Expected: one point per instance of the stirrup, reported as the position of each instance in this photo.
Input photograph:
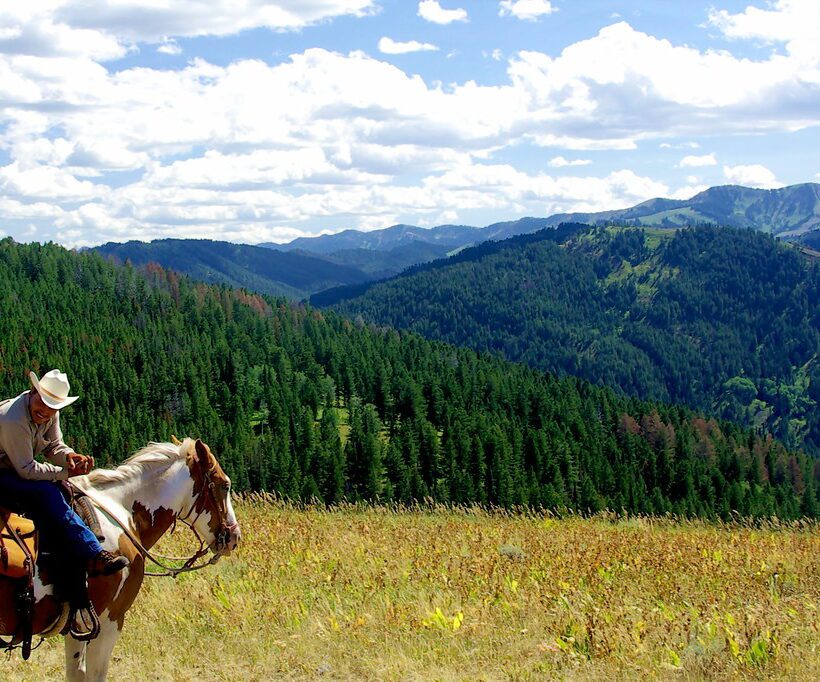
(83, 623)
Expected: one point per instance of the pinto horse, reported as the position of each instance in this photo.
(140, 500)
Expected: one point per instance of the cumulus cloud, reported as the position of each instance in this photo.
(432, 11)
(104, 30)
(253, 151)
(390, 46)
(169, 46)
(561, 162)
(34, 29)
(492, 185)
(792, 22)
(688, 191)
(753, 175)
(693, 161)
(45, 182)
(528, 10)
(136, 20)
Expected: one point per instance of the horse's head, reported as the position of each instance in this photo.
(211, 514)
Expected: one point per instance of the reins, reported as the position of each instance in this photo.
(155, 557)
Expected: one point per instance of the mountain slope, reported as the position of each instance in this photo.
(722, 320)
(785, 212)
(450, 236)
(378, 264)
(788, 211)
(270, 385)
(266, 271)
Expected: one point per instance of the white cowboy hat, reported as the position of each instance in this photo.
(53, 389)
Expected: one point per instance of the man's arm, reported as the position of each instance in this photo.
(16, 443)
(56, 451)
(59, 453)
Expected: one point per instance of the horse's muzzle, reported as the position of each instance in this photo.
(227, 539)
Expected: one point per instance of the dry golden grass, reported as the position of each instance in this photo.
(374, 594)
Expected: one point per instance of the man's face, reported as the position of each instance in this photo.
(39, 411)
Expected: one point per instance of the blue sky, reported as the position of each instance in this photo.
(255, 121)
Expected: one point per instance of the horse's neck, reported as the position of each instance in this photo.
(151, 503)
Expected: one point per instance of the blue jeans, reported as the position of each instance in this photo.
(43, 502)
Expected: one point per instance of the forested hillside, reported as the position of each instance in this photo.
(726, 321)
(266, 271)
(310, 405)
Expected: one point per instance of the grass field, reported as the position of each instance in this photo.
(379, 594)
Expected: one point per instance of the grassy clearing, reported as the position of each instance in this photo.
(375, 594)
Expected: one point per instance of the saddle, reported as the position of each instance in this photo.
(19, 553)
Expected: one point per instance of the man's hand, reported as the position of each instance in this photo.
(79, 465)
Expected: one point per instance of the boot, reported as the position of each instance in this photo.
(106, 563)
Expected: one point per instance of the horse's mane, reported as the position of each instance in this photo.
(152, 456)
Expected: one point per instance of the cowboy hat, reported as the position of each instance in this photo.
(53, 389)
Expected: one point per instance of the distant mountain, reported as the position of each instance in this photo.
(294, 275)
(312, 264)
(451, 236)
(380, 264)
(446, 237)
(786, 212)
(720, 319)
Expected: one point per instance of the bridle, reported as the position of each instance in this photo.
(222, 536)
(220, 502)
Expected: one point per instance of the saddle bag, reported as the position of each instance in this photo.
(18, 556)
(18, 545)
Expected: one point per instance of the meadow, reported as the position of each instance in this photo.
(370, 593)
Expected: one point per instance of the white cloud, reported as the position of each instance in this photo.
(561, 162)
(681, 145)
(169, 46)
(487, 186)
(104, 30)
(432, 11)
(45, 182)
(249, 150)
(753, 175)
(698, 161)
(793, 22)
(690, 190)
(390, 46)
(528, 10)
(34, 29)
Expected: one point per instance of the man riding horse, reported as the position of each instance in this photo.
(30, 425)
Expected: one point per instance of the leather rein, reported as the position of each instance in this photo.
(161, 559)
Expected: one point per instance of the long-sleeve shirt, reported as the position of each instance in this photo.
(21, 439)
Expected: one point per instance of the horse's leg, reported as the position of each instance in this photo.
(74, 660)
(98, 654)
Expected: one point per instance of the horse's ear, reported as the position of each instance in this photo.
(202, 452)
(175, 440)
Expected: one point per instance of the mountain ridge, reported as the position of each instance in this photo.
(309, 265)
(763, 210)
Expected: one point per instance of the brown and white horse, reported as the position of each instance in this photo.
(146, 495)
